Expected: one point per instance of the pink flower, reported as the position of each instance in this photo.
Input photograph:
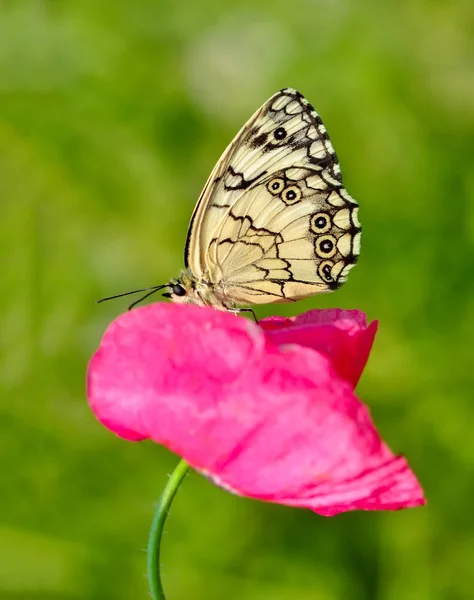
(267, 411)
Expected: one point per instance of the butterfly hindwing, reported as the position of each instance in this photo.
(274, 221)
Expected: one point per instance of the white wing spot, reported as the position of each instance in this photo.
(317, 149)
(342, 218)
(344, 244)
(315, 182)
(312, 133)
(294, 108)
(356, 243)
(281, 102)
(355, 216)
(337, 268)
(335, 199)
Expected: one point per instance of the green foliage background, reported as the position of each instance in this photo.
(112, 114)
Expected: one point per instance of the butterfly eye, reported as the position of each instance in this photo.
(324, 270)
(325, 246)
(275, 186)
(178, 290)
(320, 223)
(291, 194)
(280, 133)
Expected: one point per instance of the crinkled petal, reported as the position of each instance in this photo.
(278, 423)
(341, 335)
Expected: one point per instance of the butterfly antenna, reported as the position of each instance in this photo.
(144, 297)
(153, 289)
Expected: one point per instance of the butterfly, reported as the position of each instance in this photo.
(274, 222)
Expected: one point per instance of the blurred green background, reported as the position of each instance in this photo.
(112, 115)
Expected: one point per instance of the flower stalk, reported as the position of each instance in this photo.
(156, 531)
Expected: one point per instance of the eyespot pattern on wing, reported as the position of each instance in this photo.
(274, 221)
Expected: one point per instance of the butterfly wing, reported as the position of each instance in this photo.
(274, 221)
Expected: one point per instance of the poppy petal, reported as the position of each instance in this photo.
(254, 410)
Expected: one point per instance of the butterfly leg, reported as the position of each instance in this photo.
(248, 310)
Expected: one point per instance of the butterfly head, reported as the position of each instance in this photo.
(176, 291)
(181, 290)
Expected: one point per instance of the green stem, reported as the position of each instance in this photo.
(154, 539)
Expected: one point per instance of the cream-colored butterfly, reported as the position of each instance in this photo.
(274, 222)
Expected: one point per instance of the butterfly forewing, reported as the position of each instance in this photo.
(274, 221)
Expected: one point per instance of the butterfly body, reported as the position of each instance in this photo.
(187, 289)
(274, 222)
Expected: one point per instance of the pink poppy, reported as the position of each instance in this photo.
(267, 411)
